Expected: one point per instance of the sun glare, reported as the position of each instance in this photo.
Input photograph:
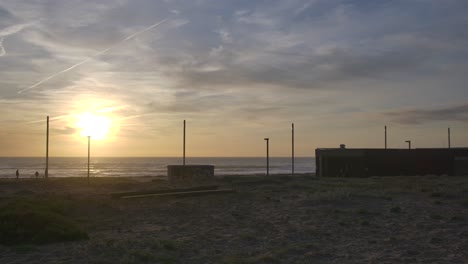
(96, 126)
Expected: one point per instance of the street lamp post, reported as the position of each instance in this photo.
(385, 137)
(292, 149)
(89, 151)
(46, 172)
(409, 143)
(267, 156)
(448, 132)
(183, 160)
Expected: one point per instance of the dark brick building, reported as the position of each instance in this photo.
(343, 162)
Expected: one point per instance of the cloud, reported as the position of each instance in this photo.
(329, 46)
(10, 31)
(324, 45)
(2, 49)
(237, 61)
(225, 36)
(458, 113)
(224, 67)
(65, 131)
(101, 52)
(14, 29)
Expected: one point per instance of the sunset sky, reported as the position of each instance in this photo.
(237, 71)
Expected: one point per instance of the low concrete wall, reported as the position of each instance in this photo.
(190, 175)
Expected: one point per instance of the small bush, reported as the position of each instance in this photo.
(362, 211)
(436, 194)
(36, 222)
(437, 217)
(286, 178)
(164, 259)
(457, 218)
(168, 244)
(22, 249)
(143, 255)
(247, 236)
(464, 203)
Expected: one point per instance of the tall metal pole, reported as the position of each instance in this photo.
(267, 156)
(292, 149)
(46, 173)
(449, 137)
(385, 137)
(409, 143)
(89, 148)
(184, 145)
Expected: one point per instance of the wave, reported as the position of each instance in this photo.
(129, 167)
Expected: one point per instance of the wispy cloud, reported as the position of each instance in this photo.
(93, 56)
(65, 131)
(2, 49)
(458, 113)
(10, 31)
(13, 29)
(234, 63)
(50, 119)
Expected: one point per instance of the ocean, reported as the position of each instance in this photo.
(125, 167)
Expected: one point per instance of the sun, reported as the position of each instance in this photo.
(95, 126)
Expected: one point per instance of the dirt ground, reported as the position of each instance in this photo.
(280, 219)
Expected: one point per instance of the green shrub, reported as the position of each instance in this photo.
(464, 203)
(436, 194)
(362, 211)
(437, 217)
(36, 222)
(168, 244)
(457, 218)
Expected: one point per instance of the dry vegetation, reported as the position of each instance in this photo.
(280, 219)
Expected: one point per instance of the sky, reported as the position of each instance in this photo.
(236, 71)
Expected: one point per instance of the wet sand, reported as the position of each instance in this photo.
(279, 219)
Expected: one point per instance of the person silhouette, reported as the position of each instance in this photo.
(17, 174)
(36, 174)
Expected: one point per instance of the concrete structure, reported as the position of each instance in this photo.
(342, 162)
(190, 175)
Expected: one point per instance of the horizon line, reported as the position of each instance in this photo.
(156, 157)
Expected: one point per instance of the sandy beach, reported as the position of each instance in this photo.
(279, 219)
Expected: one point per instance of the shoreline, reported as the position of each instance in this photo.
(123, 167)
(220, 176)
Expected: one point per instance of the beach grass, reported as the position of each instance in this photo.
(279, 219)
(39, 221)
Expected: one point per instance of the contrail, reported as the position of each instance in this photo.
(134, 116)
(67, 69)
(51, 119)
(102, 110)
(93, 56)
(144, 30)
(111, 109)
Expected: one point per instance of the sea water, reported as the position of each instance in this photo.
(128, 167)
